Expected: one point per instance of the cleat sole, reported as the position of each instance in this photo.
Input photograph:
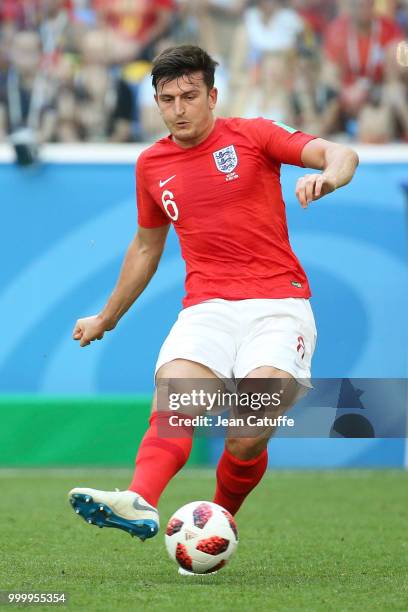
(102, 516)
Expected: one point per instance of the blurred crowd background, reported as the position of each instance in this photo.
(79, 70)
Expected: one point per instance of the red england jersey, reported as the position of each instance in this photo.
(224, 199)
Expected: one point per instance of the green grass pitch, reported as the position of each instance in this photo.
(325, 541)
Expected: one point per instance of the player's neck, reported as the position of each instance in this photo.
(187, 144)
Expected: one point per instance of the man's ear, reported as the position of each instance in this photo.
(213, 96)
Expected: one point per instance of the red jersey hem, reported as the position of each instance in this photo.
(273, 295)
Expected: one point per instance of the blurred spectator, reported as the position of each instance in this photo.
(188, 21)
(268, 92)
(402, 16)
(25, 95)
(360, 51)
(17, 15)
(385, 8)
(315, 102)
(83, 13)
(78, 70)
(133, 26)
(93, 105)
(21, 14)
(316, 13)
(270, 43)
(218, 21)
(272, 27)
(53, 26)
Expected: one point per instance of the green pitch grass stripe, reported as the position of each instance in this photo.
(70, 430)
(312, 541)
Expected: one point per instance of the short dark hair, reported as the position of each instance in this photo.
(176, 62)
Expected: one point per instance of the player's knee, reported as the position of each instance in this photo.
(246, 448)
(183, 368)
(267, 372)
(185, 386)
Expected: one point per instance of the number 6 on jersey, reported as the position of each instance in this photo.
(169, 205)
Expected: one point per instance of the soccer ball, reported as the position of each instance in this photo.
(201, 537)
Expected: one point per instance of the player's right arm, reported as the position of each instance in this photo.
(139, 266)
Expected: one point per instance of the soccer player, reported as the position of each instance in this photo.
(246, 311)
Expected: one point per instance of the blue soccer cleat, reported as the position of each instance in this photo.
(124, 510)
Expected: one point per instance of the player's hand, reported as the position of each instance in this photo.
(313, 187)
(89, 329)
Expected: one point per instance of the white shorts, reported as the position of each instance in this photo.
(234, 337)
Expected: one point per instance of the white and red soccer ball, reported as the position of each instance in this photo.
(201, 537)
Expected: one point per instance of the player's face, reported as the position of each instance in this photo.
(186, 107)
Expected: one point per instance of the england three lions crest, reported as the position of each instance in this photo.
(226, 159)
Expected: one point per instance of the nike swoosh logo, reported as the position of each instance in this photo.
(162, 183)
(138, 506)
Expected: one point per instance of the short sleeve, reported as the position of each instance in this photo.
(149, 213)
(281, 142)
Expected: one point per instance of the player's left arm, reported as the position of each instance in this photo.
(338, 163)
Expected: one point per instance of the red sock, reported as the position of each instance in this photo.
(237, 478)
(160, 456)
